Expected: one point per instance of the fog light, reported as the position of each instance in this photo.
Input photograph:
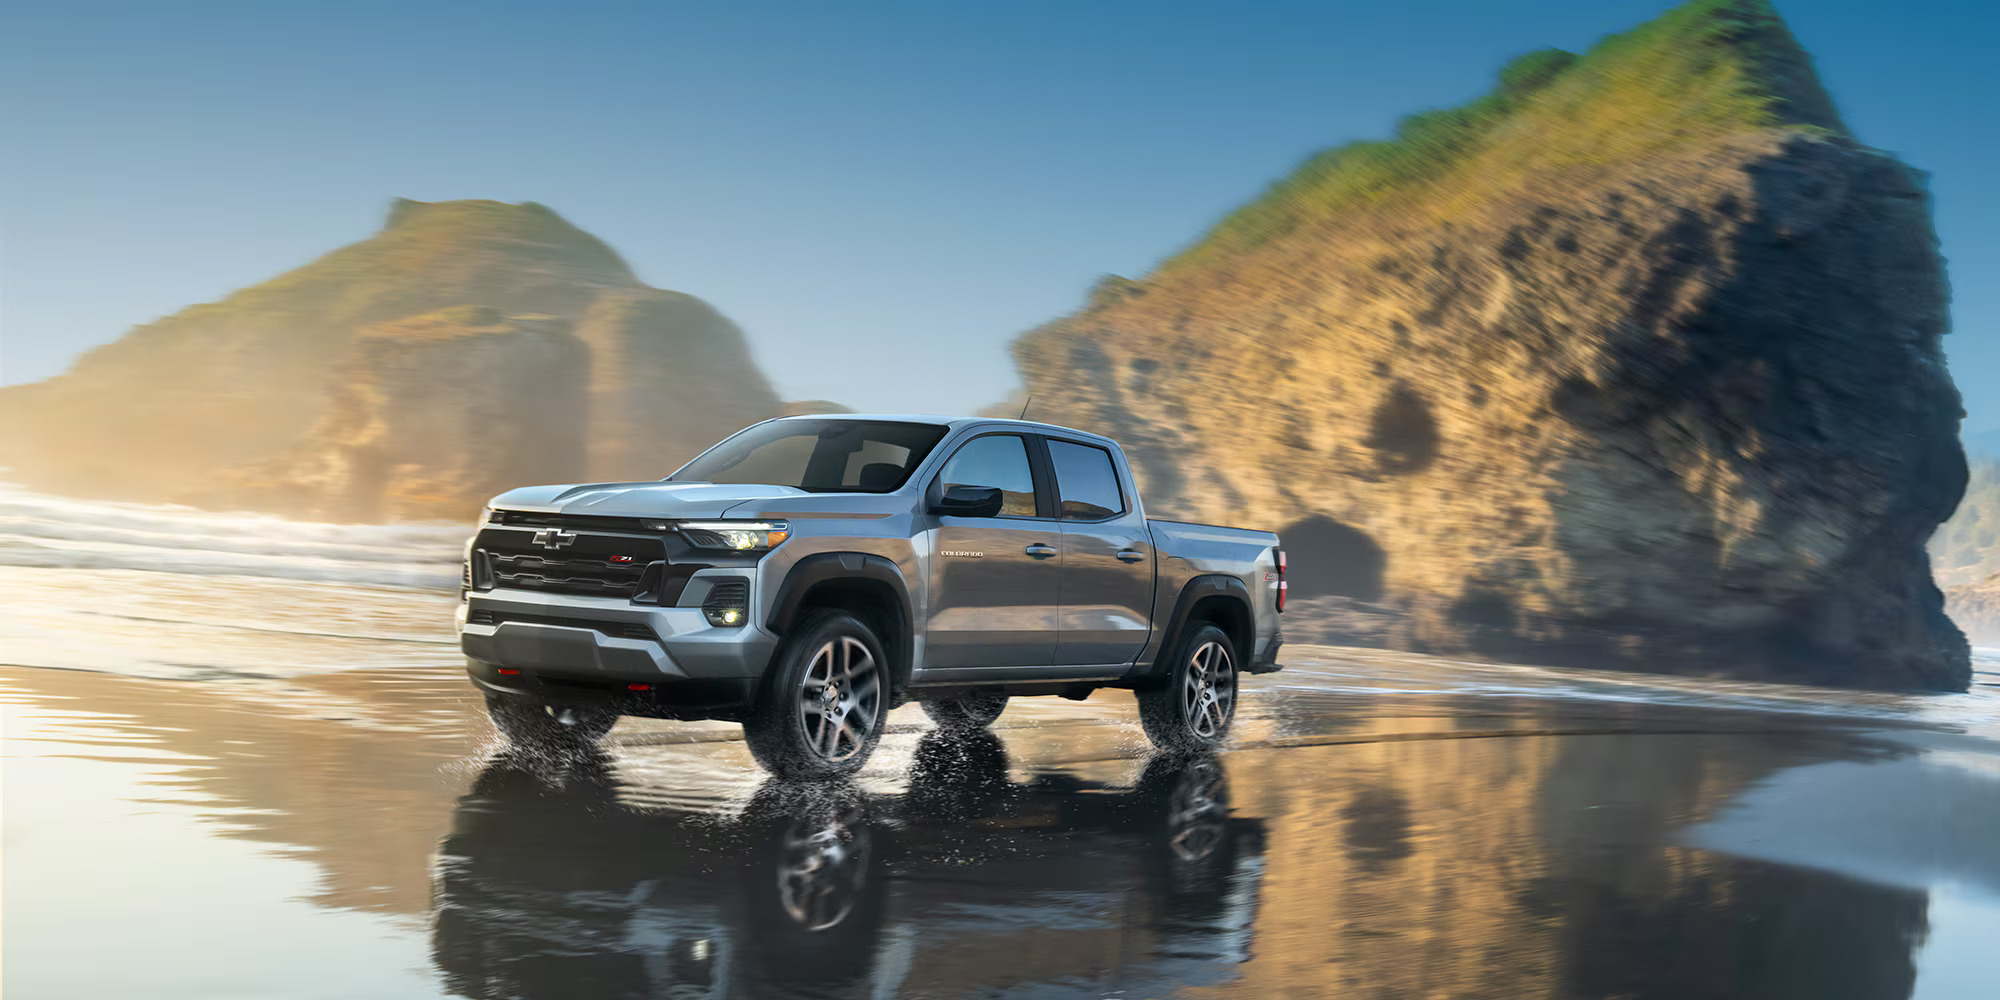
(728, 602)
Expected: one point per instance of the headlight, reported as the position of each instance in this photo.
(739, 536)
(487, 516)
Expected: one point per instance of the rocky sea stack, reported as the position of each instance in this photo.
(1634, 361)
(468, 347)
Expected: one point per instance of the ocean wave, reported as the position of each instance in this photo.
(42, 531)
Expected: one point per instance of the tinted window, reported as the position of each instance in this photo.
(818, 456)
(1087, 481)
(995, 460)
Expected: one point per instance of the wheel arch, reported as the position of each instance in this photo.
(869, 586)
(1216, 599)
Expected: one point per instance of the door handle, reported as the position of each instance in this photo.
(1131, 555)
(1040, 551)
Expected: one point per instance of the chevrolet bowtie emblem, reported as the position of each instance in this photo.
(554, 538)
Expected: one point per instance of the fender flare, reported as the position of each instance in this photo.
(824, 567)
(1196, 589)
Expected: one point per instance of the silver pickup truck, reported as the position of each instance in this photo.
(809, 574)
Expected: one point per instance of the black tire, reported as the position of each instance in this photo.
(1190, 707)
(535, 726)
(825, 701)
(965, 713)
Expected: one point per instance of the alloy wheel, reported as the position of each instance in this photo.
(840, 699)
(1208, 690)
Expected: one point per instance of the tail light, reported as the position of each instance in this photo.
(1282, 584)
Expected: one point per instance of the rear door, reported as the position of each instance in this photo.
(994, 579)
(1107, 573)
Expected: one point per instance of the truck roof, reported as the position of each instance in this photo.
(949, 421)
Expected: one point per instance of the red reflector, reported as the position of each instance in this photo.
(638, 687)
(509, 671)
(621, 559)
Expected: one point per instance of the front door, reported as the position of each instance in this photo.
(994, 579)
(1107, 576)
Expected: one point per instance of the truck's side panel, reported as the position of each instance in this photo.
(1187, 551)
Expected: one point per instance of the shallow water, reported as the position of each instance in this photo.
(228, 789)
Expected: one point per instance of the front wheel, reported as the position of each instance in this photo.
(825, 702)
(1190, 708)
(536, 726)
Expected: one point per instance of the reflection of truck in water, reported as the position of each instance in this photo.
(808, 574)
(556, 885)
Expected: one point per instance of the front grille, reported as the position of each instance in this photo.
(617, 630)
(592, 577)
(588, 563)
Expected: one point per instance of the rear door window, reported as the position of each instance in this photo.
(1087, 481)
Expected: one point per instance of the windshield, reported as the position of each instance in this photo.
(818, 456)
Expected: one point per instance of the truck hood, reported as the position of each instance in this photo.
(668, 501)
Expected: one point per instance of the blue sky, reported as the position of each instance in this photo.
(881, 194)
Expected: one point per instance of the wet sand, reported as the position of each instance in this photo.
(1383, 826)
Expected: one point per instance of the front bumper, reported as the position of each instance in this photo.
(607, 639)
(726, 698)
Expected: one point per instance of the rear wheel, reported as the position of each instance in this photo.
(537, 726)
(965, 712)
(1192, 705)
(825, 701)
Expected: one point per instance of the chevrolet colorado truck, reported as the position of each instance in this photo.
(809, 574)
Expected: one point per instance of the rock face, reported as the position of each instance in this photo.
(391, 446)
(809, 407)
(1966, 549)
(1635, 361)
(1965, 556)
(1975, 608)
(468, 346)
(669, 376)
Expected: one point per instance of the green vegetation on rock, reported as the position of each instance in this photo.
(1706, 69)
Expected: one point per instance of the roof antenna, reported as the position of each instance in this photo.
(1024, 409)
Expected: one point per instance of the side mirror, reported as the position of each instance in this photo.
(968, 501)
